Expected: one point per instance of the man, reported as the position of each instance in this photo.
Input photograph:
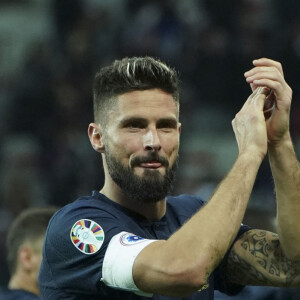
(131, 241)
(24, 253)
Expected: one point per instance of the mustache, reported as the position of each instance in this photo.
(136, 161)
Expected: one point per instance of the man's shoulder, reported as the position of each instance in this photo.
(89, 212)
(94, 205)
(94, 201)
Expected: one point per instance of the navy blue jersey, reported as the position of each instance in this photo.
(7, 294)
(72, 269)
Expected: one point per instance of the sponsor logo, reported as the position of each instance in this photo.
(87, 236)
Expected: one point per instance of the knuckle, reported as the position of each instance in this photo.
(237, 116)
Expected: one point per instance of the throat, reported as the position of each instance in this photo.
(152, 211)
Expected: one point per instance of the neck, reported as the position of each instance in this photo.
(151, 211)
(23, 282)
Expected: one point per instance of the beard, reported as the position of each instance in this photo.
(150, 187)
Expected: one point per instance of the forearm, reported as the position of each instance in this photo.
(286, 174)
(257, 259)
(221, 218)
(192, 253)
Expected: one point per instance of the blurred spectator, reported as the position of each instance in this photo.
(24, 253)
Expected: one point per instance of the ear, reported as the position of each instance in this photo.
(179, 128)
(96, 137)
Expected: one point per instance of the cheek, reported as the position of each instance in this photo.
(171, 149)
(125, 146)
(171, 144)
(173, 153)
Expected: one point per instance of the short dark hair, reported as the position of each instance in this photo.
(30, 225)
(130, 74)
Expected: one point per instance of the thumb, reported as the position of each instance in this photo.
(260, 97)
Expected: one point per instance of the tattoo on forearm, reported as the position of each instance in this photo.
(266, 264)
(241, 272)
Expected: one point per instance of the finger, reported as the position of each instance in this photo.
(275, 76)
(253, 87)
(259, 92)
(271, 84)
(260, 98)
(268, 62)
(254, 94)
(264, 70)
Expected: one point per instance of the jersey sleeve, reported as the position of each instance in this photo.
(118, 261)
(88, 252)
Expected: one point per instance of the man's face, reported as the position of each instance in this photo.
(29, 261)
(141, 144)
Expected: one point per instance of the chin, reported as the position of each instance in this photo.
(149, 171)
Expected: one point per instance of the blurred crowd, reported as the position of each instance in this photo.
(51, 49)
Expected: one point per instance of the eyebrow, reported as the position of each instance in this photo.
(128, 120)
(172, 121)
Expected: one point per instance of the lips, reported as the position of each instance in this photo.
(151, 161)
(151, 165)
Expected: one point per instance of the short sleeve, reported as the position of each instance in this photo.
(74, 249)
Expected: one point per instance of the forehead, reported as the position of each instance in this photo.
(146, 103)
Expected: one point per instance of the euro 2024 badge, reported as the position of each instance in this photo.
(87, 236)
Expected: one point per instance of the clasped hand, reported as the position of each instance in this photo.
(264, 118)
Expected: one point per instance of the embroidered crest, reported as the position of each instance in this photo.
(128, 239)
(87, 236)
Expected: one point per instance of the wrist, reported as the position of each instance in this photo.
(284, 142)
(251, 158)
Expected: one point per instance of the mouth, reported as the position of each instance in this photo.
(151, 165)
(150, 162)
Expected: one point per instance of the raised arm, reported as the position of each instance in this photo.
(260, 257)
(182, 264)
(286, 173)
(283, 161)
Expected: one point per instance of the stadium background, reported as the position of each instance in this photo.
(50, 50)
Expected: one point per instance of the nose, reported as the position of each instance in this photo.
(151, 141)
